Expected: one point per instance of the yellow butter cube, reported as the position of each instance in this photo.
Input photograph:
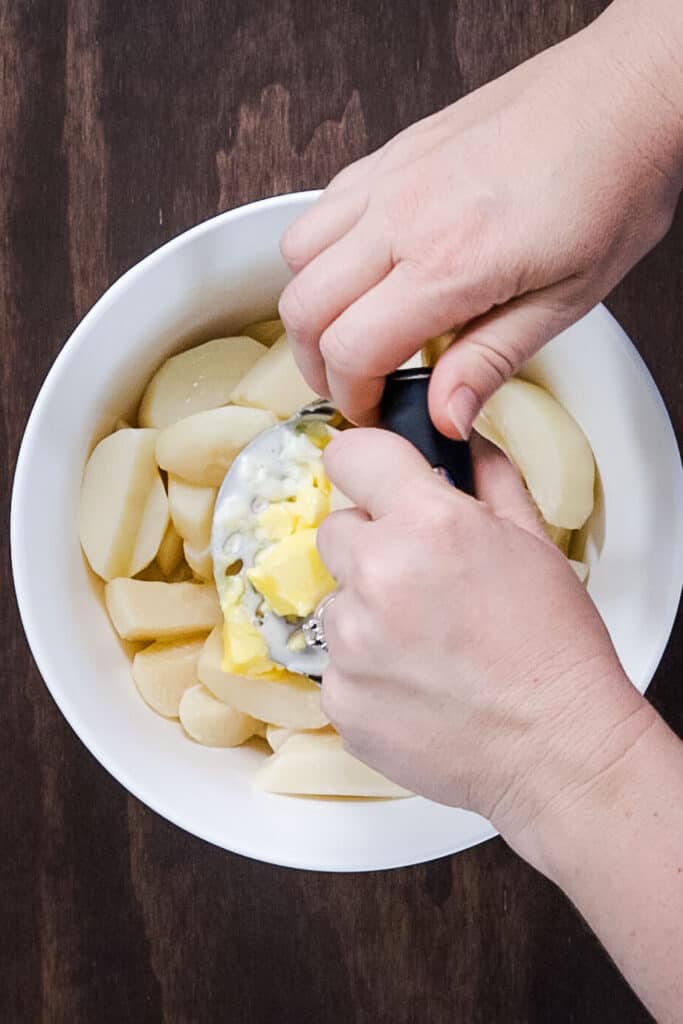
(245, 650)
(291, 576)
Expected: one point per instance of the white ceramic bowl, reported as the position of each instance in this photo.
(215, 278)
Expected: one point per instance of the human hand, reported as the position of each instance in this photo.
(506, 217)
(467, 662)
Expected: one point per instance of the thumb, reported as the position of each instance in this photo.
(498, 484)
(491, 349)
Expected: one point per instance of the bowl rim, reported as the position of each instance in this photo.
(68, 708)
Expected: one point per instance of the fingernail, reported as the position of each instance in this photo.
(463, 407)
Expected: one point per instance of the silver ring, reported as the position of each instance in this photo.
(314, 628)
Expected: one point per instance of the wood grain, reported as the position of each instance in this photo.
(122, 124)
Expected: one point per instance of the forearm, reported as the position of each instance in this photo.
(616, 849)
(642, 43)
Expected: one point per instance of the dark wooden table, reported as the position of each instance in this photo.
(121, 124)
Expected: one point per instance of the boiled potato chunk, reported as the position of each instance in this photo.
(201, 378)
(338, 500)
(414, 363)
(191, 509)
(265, 331)
(547, 446)
(201, 448)
(580, 568)
(211, 722)
(292, 701)
(170, 553)
(276, 735)
(560, 537)
(142, 610)
(274, 383)
(435, 348)
(152, 572)
(199, 560)
(164, 671)
(316, 764)
(123, 507)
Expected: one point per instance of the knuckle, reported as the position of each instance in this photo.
(292, 309)
(292, 249)
(370, 577)
(338, 452)
(343, 177)
(338, 348)
(326, 534)
(499, 361)
(334, 700)
(403, 206)
(349, 633)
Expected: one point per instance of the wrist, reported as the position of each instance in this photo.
(587, 764)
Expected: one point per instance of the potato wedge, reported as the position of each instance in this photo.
(560, 537)
(316, 764)
(198, 379)
(170, 553)
(191, 509)
(293, 702)
(274, 383)
(199, 560)
(123, 508)
(142, 610)
(276, 735)
(580, 568)
(338, 500)
(164, 671)
(152, 572)
(265, 331)
(547, 446)
(212, 723)
(435, 348)
(201, 448)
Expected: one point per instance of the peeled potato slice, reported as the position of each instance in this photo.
(144, 610)
(414, 363)
(547, 446)
(293, 701)
(435, 348)
(191, 509)
(201, 378)
(213, 723)
(560, 537)
(164, 671)
(170, 553)
(580, 568)
(274, 383)
(338, 501)
(316, 764)
(123, 507)
(202, 447)
(276, 735)
(265, 331)
(199, 560)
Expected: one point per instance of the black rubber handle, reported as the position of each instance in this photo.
(404, 411)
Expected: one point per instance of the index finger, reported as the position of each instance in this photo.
(377, 470)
